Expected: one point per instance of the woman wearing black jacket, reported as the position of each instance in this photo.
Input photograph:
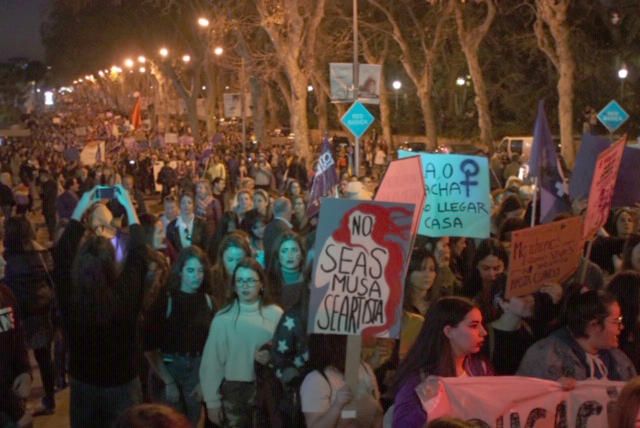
(99, 305)
(27, 274)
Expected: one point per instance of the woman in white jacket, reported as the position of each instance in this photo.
(237, 333)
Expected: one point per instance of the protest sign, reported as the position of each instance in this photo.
(627, 191)
(458, 195)
(233, 104)
(361, 248)
(403, 182)
(549, 253)
(93, 151)
(514, 401)
(602, 188)
(170, 138)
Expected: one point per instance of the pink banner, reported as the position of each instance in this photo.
(513, 401)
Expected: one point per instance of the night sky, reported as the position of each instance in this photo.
(20, 22)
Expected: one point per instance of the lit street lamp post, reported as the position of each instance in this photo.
(622, 75)
(396, 85)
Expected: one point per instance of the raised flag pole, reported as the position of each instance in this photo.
(534, 207)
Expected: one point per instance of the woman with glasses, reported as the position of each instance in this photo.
(233, 348)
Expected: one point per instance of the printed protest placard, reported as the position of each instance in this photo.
(602, 188)
(361, 248)
(458, 195)
(403, 182)
(514, 401)
(547, 253)
(170, 138)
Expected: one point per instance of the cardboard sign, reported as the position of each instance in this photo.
(458, 195)
(547, 253)
(403, 182)
(361, 248)
(602, 188)
(514, 401)
(171, 138)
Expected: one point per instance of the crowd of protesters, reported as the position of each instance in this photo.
(204, 307)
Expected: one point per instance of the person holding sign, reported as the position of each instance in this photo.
(448, 345)
(324, 392)
(587, 348)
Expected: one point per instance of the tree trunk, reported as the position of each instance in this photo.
(299, 119)
(258, 109)
(565, 98)
(272, 109)
(192, 117)
(426, 104)
(481, 99)
(322, 110)
(385, 110)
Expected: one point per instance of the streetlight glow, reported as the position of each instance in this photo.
(623, 72)
(218, 51)
(396, 85)
(164, 52)
(101, 73)
(128, 63)
(142, 59)
(203, 22)
(142, 70)
(115, 69)
(186, 58)
(460, 81)
(309, 88)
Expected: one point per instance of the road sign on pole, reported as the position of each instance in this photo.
(613, 116)
(357, 119)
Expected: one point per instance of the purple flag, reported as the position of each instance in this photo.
(544, 165)
(627, 191)
(325, 179)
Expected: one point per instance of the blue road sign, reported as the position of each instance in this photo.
(613, 116)
(357, 119)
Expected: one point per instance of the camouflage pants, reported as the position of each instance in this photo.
(238, 404)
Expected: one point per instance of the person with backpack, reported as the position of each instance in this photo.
(176, 329)
(27, 274)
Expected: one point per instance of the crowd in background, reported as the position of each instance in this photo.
(202, 303)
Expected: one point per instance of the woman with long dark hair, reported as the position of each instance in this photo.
(99, 306)
(490, 261)
(286, 272)
(233, 248)
(235, 344)
(448, 344)
(28, 275)
(177, 328)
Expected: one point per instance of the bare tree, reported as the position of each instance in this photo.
(292, 26)
(420, 45)
(470, 38)
(553, 35)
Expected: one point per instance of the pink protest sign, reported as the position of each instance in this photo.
(602, 187)
(404, 183)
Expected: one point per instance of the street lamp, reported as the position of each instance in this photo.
(622, 75)
(164, 52)
(460, 81)
(396, 85)
(310, 88)
(186, 58)
(142, 59)
(218, 51)
(142, 70)
(128, 63)
(203, 22)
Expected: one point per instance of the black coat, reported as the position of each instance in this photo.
(199, 234)
(271, 233)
